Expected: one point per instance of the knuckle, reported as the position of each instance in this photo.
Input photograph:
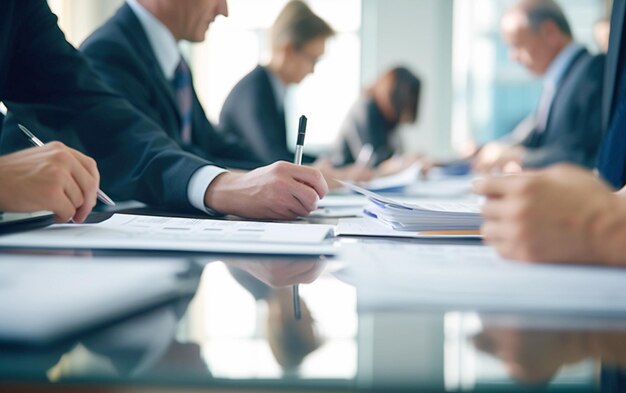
(92, 165)
(80, 201)
(281, 167)
(92, 184)
(55, 145)
(61, 156)
(310, 200)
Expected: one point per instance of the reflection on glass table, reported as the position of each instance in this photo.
(587, 354)
(238, 333)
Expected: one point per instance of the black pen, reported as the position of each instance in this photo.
(298, 161)
(104, 198)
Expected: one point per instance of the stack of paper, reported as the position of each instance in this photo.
(361, 226)
(423, 216)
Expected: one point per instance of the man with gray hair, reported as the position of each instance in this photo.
(566, 126)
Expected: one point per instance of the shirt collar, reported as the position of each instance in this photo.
(162, 41)
(559, 65)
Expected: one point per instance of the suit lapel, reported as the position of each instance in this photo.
(271, 100)
(137, 36)
(615, 48)
(559, 90)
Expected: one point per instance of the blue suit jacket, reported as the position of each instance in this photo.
(251, 115)
(615, 59)
(49, 86)
(574, 128)
(121, 53)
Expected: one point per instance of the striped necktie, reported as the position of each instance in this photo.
(184, 96)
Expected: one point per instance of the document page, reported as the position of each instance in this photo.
(474, 277)
(446, 206)
(398, 180)
(123, 231)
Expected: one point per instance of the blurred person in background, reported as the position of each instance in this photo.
(254, 111)
(369, 133)
(566, 127)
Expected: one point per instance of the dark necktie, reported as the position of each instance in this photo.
(612, 156)
(184, 96)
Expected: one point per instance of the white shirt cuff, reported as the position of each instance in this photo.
(198, 184)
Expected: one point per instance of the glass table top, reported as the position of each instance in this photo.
(238, 331)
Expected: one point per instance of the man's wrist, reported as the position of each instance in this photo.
(216, 197)
(199, 182)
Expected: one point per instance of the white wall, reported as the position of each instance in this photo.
(418, 34)
(79, 18)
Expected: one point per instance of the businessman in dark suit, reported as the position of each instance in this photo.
(152, 78)
(566, 126)
(566, 214)
(48, 85)
(254, 110)
(612, 156)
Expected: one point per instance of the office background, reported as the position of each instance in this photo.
(472, 91)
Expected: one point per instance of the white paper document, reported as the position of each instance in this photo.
(467, 277)
(343, 200)
(134, 232)
(421, 216)
(443, 187)
(371, 228)
(396, 181)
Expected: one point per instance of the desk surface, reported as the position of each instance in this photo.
(238, 333)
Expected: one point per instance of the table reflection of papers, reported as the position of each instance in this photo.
(123, 231)
(399, 276)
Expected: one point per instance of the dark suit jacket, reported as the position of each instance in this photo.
(364, 124)
(48, 85)
(614, 62)
(121, 53)
(574, 128)
(251, 115)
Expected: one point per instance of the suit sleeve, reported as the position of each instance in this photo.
(53, 90)
(578, 144)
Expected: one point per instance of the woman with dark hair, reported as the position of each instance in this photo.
(368, 134)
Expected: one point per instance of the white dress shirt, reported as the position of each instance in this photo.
(552, 78)
(168, 55)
